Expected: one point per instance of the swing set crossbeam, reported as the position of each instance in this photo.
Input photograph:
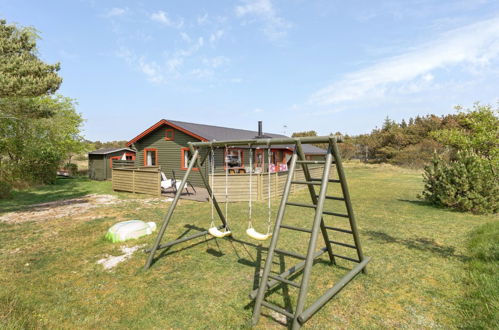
(269, 142)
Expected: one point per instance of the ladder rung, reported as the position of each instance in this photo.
(311, 162)
(277, 309)
(291, 254)
(346, 258)
(284, 280)
(305, 182)
(335, 214)
(335, 198)
(339, 229)
(343, 244)
(330, 180)
(312, 206)
(296, 228)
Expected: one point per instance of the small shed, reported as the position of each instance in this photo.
(100, 162)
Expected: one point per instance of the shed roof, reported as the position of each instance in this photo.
(218, 133)
(105, 151)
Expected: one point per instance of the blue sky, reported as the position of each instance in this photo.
(297, 65)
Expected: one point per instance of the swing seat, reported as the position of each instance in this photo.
(251, 232)
(214, 231)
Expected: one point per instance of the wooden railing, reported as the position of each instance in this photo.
(147, 180)
(118, 163)
(142, 180)
(238, 184)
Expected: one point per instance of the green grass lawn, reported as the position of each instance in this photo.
(419, 276)
(62, 189)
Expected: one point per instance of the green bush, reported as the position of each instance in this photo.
(466, 183)
(71, 168)
(5, 189)
(416, 155)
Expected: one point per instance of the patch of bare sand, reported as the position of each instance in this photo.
(74, 207)
(109, 262)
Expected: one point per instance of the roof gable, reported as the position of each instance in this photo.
(160, 123)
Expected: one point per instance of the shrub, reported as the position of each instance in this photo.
(466, 183)
(417, 155)
(347, 150)
(71, 168)
(5, 190)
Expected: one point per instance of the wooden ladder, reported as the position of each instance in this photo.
(268, 281)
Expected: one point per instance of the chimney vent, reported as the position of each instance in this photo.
(260, 131)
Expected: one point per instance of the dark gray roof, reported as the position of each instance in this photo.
(106, 151)
(313, 150)
(219, 133)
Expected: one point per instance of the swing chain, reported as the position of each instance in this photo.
(269, 205)
(226, 187)
(212, 169)
(250, 223)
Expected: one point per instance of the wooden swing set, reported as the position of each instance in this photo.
(269, 281)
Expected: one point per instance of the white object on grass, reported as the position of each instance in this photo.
(130, 229)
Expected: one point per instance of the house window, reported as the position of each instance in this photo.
(258, 158)
(111, 160)
(169, 134)
(150, 157)
(276, 156)
(234, 158)
(185, 157)
(130, 156)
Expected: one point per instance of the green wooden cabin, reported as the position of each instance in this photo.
(165, 144)
(100, 162)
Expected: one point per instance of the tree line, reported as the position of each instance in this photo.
(409, 143)
(459, 154)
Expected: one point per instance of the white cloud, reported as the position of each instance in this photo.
(152, 70)
(428, 77)
(186, 62)
(202, 19)
(114, 12)
(257, 110)
(163, 18)
(216, 62)
(274, 26)
(185, 37)
(215, 36)
(474, 45)
(201, 73)
(174, 64)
